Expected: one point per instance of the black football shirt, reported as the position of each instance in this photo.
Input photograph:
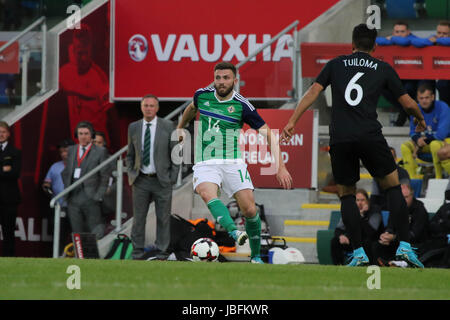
(357, 81)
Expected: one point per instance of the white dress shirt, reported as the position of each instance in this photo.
(80, 149)
(150, 169)
(3, 146)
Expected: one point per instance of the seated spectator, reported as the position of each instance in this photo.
(437, 118)
(53, 185)
(435, 252)
(383, 250)
(371, 225)
(401, 36)
(442, 37)
(377, 196)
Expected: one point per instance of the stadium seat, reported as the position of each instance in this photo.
(401, 9)
(435, 194)
(383, 103)
(334, 219)
(324, 237)
(416, 184)
(437, 8)
(30, 4)
(324, 246)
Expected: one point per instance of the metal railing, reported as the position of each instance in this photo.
(269, 43)
(175, 113)
(25, 55)
(57, 206)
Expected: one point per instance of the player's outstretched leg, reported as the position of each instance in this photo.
(222, 216)
(351, 219)
(208, 192)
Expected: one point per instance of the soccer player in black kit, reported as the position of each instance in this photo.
(355, 134)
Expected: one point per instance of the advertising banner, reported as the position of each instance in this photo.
(9, 58)
(297, 154)
(409, 62)
(169, 48)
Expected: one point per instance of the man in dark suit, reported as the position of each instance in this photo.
(151, 174)
(84, 203)
(10, 164)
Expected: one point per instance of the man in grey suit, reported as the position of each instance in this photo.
(84, 203)
(151, 175)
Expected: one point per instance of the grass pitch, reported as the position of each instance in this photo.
(32, 278)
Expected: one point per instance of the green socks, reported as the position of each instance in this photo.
(252, 225)
(253, 228)
(221, 214)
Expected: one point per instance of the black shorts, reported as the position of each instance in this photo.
(375, 156)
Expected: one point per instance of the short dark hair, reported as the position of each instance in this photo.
(65, 143)
(150, 96)
(85, 125)
(444, 23)
(424, 87)
(363, 37)
(401, 23)
(101, 134)
(225, 66)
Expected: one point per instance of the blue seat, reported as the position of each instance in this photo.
(30, 4)
(385, 217)
(404, 9)
(416, 184)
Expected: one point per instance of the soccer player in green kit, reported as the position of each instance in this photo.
(218, 159)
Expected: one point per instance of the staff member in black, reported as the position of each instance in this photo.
(355, 134)
(10, 165)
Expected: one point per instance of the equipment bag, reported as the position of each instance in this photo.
(268, 242)
(121, 248)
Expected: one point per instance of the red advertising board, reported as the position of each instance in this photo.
(169, 48)
(298, 154)
(409, 62)
(9, 58)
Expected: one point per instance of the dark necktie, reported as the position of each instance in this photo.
(147, 142)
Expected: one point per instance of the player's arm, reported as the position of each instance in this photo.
(410, 106)
(395, 86)
(188, 114)
(306, 101)
(283, 175)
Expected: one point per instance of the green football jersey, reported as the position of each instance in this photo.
(220, 125)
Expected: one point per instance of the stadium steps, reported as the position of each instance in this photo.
(301, 233)
(308, 228)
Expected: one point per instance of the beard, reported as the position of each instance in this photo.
(224, 93)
